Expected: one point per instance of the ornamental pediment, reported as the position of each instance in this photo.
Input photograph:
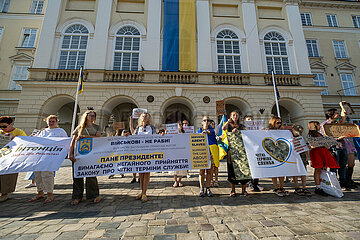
(345, 67)
(21, 57)
(318, 65)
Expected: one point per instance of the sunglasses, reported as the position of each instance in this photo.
(3, 126)
(279, 123)
(206, 120)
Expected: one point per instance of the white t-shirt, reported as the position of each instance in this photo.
(54, 132)
(146, 130)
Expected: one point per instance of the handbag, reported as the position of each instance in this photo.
(330, 184)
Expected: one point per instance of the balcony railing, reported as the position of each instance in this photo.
(64, 75)
(283, 80)
(231, 79)
(123, 76)
(174, 77)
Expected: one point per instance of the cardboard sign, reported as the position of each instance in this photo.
(4, 140)
(322, 142)
(189, 129)
(341, 130)
(220, 108)
(254, 125)
(346, 107)
(137, 112)
(172, 128)
(300, 145)
(118, 125)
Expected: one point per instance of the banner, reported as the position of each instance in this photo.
(271, 154)
(341, 130)
(141, 153)
(26, 154)
(254, 125)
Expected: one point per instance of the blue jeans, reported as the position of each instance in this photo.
(341, 158)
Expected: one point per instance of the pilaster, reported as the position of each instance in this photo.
(204, 61)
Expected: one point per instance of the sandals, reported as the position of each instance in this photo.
(138, 196)
(144, 198)
(232, 194)
(37, 197)
(245, 194)
(49, 199)
(278, 192)
(306, 192)
(175, 184)
(97, 199)
(216, 184)
(181, 185)
(76, 201)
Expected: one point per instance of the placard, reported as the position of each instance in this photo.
(346, 107)
(220, 108)
(141, 153)
(172, 128)
(341, 130)
(118, 125)
(189, 129)
(300, 144)
(254, 125)
(322, 142)
(137, 112)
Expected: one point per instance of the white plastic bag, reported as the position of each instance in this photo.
(330, 184)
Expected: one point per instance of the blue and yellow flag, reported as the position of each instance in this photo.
(179, 47)
(223, 143)
(81, 81)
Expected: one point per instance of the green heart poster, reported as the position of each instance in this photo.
(271, 153)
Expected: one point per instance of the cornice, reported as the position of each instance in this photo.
(330, 4)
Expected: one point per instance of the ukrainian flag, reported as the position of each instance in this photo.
(224, 142)
(81, 81)
(179, 36)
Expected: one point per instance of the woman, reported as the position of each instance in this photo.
(237, 164)
(86, 129)
(45, 179)
(144, 127)
(209, 131)
(216, 164)
(8, 181)
(275, 123)
(180, 173)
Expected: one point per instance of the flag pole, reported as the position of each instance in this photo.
(76, 102)
(275, 93)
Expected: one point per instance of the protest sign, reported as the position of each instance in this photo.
(4, 139)
(271, 154)
(346, 108)
(188, 129)
(341, 130)
(220, 108)
(118, 125)
(300, 144)
(141, 153)
(254, 125)
(137, 112)
(26, 154)
(322, 142)
(172, 128)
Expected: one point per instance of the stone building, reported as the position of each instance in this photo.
(120, 44)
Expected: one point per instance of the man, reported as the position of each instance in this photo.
(332, 116)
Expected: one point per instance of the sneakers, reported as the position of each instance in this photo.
(208, 192)
(321, 192)
(202, 193)
(256, 188)
(188, 175)
(133, 180)
(122, 175)
(30, 185)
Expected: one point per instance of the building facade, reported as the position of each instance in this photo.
(238, 43)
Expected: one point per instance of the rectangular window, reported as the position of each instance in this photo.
(332, 20)
(319, 80)
(306, 19)
(339, 49)
(4, 5)
(36, 7)
(348, 84)
(312, 46)
(29, 38)
(356, 21)
(19, 73)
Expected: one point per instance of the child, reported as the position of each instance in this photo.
(320, 157)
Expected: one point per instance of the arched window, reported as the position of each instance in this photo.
(73, 47)
(228, 52)
(276, 53)
(127, 49)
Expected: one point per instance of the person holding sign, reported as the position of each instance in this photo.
(333, 116)
(275, 123)
(216, 165)
(45, 179)
(209, 131)
(8, 181)
(237, 164)
(86, 129)
(144, 127)
(320, 157)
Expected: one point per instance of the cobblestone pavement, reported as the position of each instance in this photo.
(178, 213)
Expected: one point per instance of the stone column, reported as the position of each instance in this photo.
(47, 35)
(96, 53)
(301, 59)
(204, 53)
(150, 49)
